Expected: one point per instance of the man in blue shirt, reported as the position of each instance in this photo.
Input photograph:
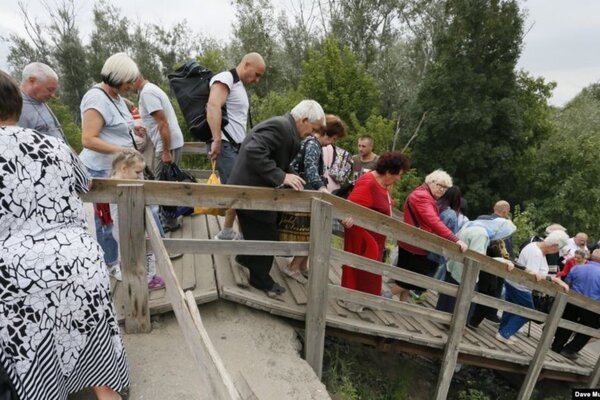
(585, 280)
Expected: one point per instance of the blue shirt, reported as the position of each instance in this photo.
(585, 279)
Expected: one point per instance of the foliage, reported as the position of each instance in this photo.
(401, 189)
(70, 128)
(472, 394)
(473, 125)
(333, 76)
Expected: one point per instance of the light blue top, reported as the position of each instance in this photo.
(585, 279)
(116, 129)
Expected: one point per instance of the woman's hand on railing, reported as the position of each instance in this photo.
(347, 222)
(463, 246)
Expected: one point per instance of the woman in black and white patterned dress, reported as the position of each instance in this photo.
(58, 331)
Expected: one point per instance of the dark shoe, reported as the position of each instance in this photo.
(171, 228)
(472, 326)
(569, 354)
(493, 318)
(276, 290)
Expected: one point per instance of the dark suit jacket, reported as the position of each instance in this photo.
(266, 153)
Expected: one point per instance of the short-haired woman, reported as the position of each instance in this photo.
(421, 210)
(58, 331)
(107, 127)
(372, 190)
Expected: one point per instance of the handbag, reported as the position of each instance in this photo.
(172, 173)
(213, 179)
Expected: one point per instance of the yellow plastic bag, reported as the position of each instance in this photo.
(213, 179)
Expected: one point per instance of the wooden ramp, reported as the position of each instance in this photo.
(194, 271)
(388, 330)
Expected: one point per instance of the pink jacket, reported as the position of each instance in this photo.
(425, 209)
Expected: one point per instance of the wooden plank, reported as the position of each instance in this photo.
(459, 320)
(594, 377)
(250, 247)
(133, 258)
(188, 261)
(318, 259)
(223, 386)
(535, 366)
(214, 381)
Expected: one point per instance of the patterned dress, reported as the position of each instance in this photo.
(58, 331)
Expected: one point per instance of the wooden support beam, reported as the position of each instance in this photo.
(216, 382)
(594, 378)
(133, 257)
(318, 259)
(537, 361)
(457, 326)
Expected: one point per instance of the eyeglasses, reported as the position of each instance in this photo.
(442, 187)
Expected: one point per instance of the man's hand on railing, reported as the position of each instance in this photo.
(560, 283)
(509, 264)
(294, 181)
(463, 246)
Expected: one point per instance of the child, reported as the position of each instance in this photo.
(129, 164)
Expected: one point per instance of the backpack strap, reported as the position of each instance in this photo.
(412, 215)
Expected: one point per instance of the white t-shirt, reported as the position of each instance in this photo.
(115, 130)
(237, 106)
(153, 98)
(534, 260)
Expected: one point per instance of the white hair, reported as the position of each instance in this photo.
(309, 109)
(38, 71)
(119, 69)
(439, 176)
(558, 237)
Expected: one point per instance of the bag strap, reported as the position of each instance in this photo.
(122, 116)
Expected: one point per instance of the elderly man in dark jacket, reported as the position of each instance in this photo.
(264, 159)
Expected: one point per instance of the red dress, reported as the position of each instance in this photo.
(368, 193)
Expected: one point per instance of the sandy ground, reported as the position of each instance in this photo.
(261, 347)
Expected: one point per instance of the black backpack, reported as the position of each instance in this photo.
(191, 85)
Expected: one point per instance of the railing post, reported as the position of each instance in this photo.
(132, 248)
(318, 259)
(457, 326)
(594, 377)
(537, 362)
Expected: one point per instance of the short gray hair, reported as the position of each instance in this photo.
(559, 238)
(119, 69)
(309, 109)
(439, 176)
(39, 71)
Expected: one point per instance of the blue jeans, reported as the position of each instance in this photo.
(104, 233)
(226, 159)
(511, 323)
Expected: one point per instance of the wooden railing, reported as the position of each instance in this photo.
(132, 196)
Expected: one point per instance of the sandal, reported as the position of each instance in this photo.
(275, 291)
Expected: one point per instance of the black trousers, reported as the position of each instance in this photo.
(579, 315)
(258, 225)
(488, 284)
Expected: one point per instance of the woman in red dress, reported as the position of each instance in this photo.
(372, 190)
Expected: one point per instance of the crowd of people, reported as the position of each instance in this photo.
(58, 331)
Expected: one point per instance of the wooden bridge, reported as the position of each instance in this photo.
(207, 272)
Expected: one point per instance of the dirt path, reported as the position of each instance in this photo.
(262, 347)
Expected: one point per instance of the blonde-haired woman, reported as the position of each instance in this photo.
(421, 210)
(107, 128)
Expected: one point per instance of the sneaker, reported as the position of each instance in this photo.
(295, 275)
(418, 298)
(157, 282)
(569, 354)
(509, 341)
(115, 271)
(175, 256)
(350, 306)
(171, 228)
(275, 291)
(228, 234)
(387, 294)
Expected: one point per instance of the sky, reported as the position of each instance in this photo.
(560, 44)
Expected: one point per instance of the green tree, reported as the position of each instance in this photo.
(473, 124)
(333, 76)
